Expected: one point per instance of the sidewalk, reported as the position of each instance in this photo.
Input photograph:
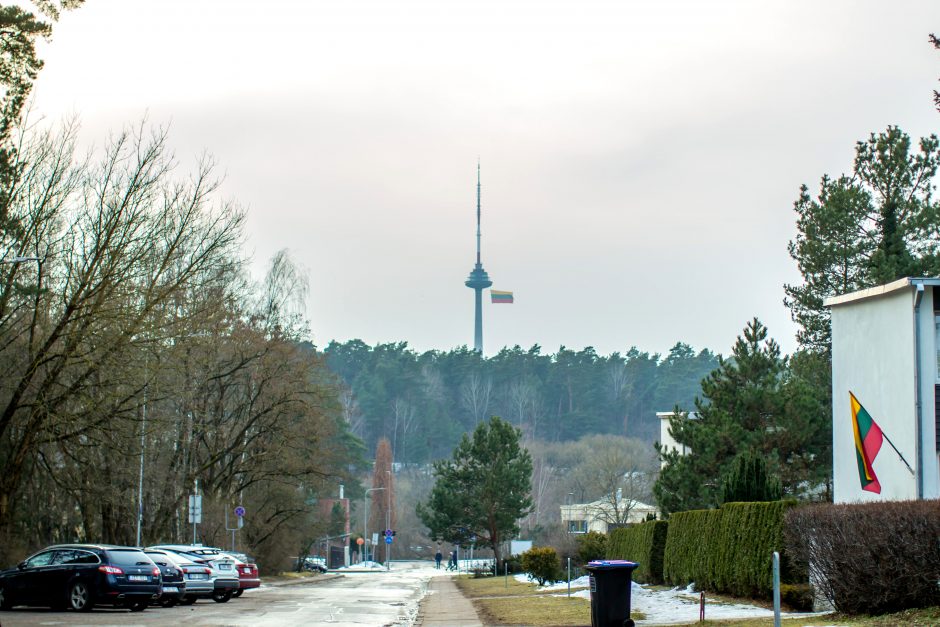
(445, 606)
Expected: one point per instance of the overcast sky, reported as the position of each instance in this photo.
(640, 159)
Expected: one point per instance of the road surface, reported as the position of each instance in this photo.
(376, 599)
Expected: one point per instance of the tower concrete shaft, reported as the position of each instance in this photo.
(478, 281)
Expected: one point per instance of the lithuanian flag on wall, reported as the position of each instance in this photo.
(868, 440)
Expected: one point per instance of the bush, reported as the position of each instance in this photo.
(872, 558)
(644, 544)
(592, 546)
(729, 549)
(541, 563)
(797, 596)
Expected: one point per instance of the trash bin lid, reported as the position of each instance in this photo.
(611, 565)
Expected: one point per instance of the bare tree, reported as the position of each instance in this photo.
(475, 396)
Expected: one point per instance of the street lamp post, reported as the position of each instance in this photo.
(365, 518)
(388, 519)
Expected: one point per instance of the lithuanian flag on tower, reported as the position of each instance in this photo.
(868, 440)
(498, 297)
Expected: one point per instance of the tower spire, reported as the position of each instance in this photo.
(478, 210)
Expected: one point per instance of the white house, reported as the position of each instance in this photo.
(584, 517)
(886, 352)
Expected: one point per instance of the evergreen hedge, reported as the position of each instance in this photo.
(645, 544)
(729, 549)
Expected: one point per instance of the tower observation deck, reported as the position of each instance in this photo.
(478, 281)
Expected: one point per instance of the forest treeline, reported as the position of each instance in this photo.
(423, 402)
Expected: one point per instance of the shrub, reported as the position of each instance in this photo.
(749, 481)
(728, 549)
(797, 596)
(872, 558)
(592, 546)
(541, 563)
(644, 544)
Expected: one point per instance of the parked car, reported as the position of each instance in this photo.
(198, 577)
(247, 573)
(174, 583)
(80, 576)
(317, 564)
(223, 575)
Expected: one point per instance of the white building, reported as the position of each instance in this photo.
(595, 516)
(666, 441)
(886, 351)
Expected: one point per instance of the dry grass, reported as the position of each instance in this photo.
(535, 610)
(494, 587)
(509, 602)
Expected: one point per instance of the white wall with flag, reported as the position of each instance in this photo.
(884, 351)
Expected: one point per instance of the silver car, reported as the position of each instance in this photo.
(197, 578)
(223, 574)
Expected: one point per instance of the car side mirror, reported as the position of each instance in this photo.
(21, 565)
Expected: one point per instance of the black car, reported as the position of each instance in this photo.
(174, 587)
(80, 576)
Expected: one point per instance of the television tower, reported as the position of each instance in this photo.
(478, 281)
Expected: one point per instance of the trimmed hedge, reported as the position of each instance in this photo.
(645, 544)
(728, 549)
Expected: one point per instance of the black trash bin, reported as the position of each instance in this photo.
(611, 581)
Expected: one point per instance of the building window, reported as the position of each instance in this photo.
(577, 526)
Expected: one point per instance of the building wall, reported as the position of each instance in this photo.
(873, 357)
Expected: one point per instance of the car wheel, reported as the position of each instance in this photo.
(137, 606)
(188, 600)
(237, 593)
(222, 596)
(80, 597)
(6, 601)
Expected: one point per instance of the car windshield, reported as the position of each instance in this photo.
(128, 557)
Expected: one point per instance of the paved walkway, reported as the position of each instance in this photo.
(445, 606)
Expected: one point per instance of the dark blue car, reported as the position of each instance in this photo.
(80, 576)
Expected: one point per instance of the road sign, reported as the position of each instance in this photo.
(360, 541)
(388, 539)
(375, 538)
(195, 508)
(389, 533)
(239, 511)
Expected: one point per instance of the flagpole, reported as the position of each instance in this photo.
(885, 436)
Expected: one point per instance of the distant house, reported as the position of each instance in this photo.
(595, 516)
(666, 440)
(886, 354)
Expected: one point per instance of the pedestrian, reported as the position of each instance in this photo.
(437, 558)
(452, 562)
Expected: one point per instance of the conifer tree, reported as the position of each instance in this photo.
(749, 481)
(750, 402)
(871, 227)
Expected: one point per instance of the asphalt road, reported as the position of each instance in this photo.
(375, 598)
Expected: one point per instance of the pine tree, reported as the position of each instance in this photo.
(750, 402)
(875, 226)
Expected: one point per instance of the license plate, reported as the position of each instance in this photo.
(198, 576)
(170, 589)
(247, 571)
(138, 578)
(224, 566)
